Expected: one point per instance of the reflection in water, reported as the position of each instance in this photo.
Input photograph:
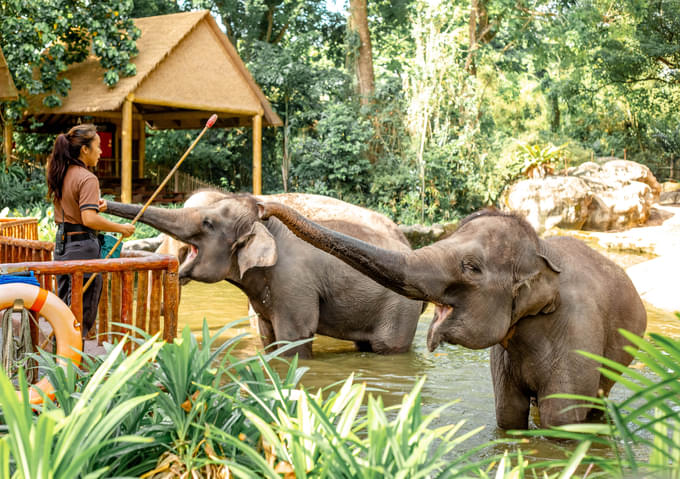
(453, 372)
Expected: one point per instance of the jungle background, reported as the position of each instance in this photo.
(448, 103)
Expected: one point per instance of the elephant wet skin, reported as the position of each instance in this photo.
(297, 290)
(495, 283)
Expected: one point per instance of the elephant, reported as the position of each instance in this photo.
(495, 283)
(174, 247)
(295, 289)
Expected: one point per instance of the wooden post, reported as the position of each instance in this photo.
(126, 150)
(116, 151)
(8, 142)
(142, 148)
(257, 155)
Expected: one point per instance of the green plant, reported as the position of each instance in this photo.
(649, 417)
(537, 161)
(57, 443)
(22, 186)
(316, 437)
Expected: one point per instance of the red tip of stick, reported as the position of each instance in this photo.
(211, 121)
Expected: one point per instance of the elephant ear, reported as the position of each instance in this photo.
(539, 292)
(546, 252)
(255, 249)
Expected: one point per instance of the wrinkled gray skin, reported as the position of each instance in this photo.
(495, 284)
(296, 289)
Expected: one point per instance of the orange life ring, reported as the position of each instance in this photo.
(53, 309)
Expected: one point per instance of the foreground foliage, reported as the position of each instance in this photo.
(194, 408)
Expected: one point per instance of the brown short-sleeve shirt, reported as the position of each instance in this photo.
(80, 191)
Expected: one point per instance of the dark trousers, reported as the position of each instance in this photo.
(81, 249)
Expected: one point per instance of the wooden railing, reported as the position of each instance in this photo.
(154, 275)
(24, 228)
(15, 250)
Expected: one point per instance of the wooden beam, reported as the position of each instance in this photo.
(257, 155)
(142, 148)
(188, 106)
(178, 115)
(126, 150)
(8, 142)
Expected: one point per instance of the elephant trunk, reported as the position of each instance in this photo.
(167, 221)
(386, 267)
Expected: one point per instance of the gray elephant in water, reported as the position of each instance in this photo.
(496, 284)
(296, 289)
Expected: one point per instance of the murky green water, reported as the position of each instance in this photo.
(453, 372)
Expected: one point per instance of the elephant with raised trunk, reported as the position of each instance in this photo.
(296, 289)
(495, 283)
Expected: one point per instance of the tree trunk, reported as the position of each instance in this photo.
(358, 23)
(479, 32)
(555, 120)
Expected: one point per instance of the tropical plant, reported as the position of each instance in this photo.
(41, 39)
(641, 433)
(316, 437)
(22, 186)
(64, 442)
(538, 161)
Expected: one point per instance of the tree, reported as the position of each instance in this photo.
(41, 39)
(358, 26)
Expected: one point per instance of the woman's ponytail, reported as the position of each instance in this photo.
(66, 151)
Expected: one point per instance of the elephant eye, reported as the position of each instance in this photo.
(207, 224)
(470, 266)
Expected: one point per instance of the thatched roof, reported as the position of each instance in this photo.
(7, 89)
(185, 63)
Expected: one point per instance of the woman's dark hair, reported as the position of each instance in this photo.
(66, 152)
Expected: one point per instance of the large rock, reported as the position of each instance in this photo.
(612, 195)
(422, 235)
(553, 201)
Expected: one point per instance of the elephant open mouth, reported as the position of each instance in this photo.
(187, 264)
(434, 336)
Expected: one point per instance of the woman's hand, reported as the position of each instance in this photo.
(102, 205)
(126, 229)
(92, 219)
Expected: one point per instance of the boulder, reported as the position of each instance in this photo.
(553, 201)
(670, 198)
(609, 195)
(422, 235)
(619, 206)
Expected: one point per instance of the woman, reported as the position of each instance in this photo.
(74, 190)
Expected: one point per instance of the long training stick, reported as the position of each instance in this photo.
(211, 121)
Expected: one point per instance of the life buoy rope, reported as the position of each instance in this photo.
(63, 322)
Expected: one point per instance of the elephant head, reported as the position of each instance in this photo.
(492, 271)
(228, 228)
(177, 248)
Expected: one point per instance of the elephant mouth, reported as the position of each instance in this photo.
(441, 314)
(187, 264)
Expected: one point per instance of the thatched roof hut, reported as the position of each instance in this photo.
(7, 89)
(186, 70)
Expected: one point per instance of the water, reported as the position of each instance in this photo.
(452, 372)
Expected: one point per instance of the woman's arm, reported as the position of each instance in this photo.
(92, 219)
